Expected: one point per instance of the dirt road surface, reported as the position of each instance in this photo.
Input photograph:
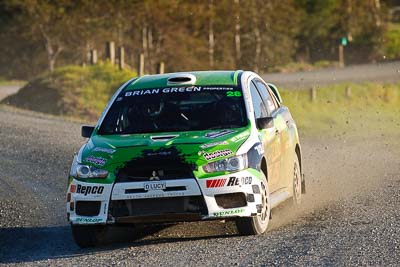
(6, 90)
(350, 214)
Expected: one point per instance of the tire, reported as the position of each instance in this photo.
(297, 181)
(88, 235)
(257, 225)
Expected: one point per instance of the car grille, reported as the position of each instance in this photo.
(146, 174)
(158, 206)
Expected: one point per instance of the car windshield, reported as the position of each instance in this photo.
(174, 109)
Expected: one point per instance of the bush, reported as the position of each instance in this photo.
(391, 46)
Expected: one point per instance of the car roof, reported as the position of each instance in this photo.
(202, 78)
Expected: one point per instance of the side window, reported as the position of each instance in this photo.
(268, 99)
(274, 97)
(258, 104)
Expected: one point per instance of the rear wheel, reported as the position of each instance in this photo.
(297, 182)
(258, 224)
(88, 235)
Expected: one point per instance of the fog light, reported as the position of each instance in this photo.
(229, 201)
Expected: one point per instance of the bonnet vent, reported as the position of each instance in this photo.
(163, 138)
(181, 78)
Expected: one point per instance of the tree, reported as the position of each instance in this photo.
(49, 20)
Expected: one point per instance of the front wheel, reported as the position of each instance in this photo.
(258, 224)
(88, 235)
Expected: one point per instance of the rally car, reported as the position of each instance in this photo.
(185, 147)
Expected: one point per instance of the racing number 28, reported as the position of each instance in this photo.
(235, 93)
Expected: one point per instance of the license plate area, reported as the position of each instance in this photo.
(154, 186)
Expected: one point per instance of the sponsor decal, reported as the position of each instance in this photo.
(215, 183)
(239, 137)
(167, 90)
(89, 190)
(219, 133)
(234, 94)
(213, 144)
(207, 88)
(155, 186)
(217, 154)
(232, 181)
(89, 220)
(238, 181)
(96, 160)
(188, 89)
(155, 195)
(227, 212)
(105, 150)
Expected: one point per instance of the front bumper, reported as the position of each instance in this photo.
(224, 196)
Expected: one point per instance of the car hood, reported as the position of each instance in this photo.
(196, 148)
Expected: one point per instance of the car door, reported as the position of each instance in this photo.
(277, 112)
(287, 143)
(270, 139)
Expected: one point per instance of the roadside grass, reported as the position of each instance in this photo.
(4, 81)
(71, 91)
(370, 107)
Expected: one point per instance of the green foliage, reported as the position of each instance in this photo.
(73, 91)
(391, 48)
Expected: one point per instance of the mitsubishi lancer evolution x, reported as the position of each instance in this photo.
(186, 147)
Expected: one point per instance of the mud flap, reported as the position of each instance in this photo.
(303, 184)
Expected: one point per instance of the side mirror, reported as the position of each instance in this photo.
(265, 123)
(87, 131)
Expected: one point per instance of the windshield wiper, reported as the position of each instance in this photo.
(224, 127)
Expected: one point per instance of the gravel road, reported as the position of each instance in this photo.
(350, 215)
(380, 72)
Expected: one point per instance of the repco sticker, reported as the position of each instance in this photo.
(231, 181)
(217, 154)
(88, 190)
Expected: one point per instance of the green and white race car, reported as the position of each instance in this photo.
(186, 147)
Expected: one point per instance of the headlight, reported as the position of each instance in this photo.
(85, 171)
(232, 164)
